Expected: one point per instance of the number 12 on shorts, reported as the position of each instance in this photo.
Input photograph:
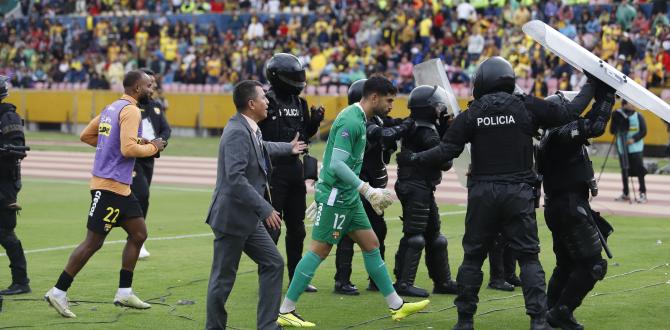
(339, 221)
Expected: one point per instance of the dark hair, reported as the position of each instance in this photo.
(244, 91)
(148, 71)
(131, 78)
(378, 85)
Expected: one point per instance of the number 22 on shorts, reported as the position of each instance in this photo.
(113, 213)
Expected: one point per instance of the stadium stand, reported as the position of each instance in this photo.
(207, 46)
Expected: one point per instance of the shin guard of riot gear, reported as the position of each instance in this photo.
(408, 257)
(437, 260)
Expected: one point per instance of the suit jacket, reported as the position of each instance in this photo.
(154, 111)
(238, 202)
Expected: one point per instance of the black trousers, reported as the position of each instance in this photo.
(8, 239)
(289, 194)
(143, 173)
(500, 208)
(577, 247)
(636, 168)
(502, 261)
(345, 249)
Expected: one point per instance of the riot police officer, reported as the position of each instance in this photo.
(415, 189)
(499, 126)
(382, 136)
(11, 136)
(568, 176)
(154, 126)
(288, 114)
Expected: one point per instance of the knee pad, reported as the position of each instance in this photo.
(416, 242)
(599, 269)
(582, 241)
(439, 242)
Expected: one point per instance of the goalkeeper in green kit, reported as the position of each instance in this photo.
(338, 209)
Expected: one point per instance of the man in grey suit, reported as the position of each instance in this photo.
(239, 203)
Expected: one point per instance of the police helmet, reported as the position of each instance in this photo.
(495, 74)
(557, 98)
(286, 74)
(3, 87)
(355, 92)
(425, 102)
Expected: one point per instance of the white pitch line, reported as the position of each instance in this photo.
(67, 247)
(453, 212)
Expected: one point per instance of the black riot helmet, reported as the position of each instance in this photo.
(286, 74)
(495, 74)
(557, 98)
(3, 87)
(425, 102)
(355, 93)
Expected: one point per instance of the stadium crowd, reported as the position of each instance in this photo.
(340, 41)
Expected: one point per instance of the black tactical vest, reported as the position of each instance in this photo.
(563, 167)
(285, 118)
(502, 135)
(416, 142)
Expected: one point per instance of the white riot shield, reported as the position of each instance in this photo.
(432, 73)
(584, 60)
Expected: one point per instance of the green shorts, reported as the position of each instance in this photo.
(332, 222)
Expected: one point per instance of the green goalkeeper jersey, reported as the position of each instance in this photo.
(348, 135)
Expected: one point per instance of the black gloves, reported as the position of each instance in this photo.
(317, 113)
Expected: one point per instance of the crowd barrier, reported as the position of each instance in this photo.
(212, 110)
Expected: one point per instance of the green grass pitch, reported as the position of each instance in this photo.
(637, 296)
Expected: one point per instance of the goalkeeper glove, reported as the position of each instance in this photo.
(379, 198)
(310, 213)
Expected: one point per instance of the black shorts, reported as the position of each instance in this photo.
(109, 210)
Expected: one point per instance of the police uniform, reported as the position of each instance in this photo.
(568, 176)
(154, 126)
(415, 189)
(501, 186)
(11, 133)
(288, 114)
(382, 136)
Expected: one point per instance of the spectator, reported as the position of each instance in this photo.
(625, 14)
(465, 13)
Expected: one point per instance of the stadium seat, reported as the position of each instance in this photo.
(310, 90)
(343, 90)
(321, 90)
(208, 88)
(332, 90)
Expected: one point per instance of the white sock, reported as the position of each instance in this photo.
(394, 301)
(58, 292)
(124, 292)
(287, 306)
